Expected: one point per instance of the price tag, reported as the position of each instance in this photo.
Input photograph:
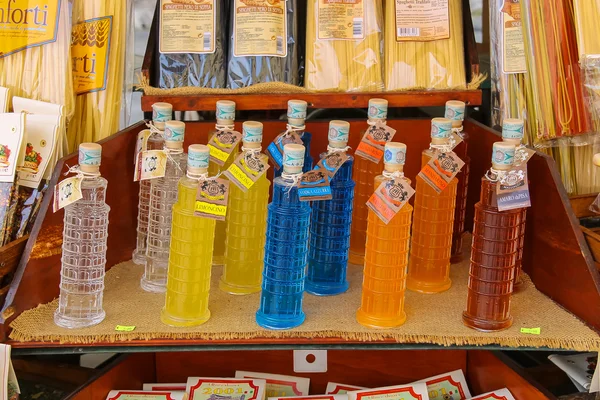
(222, 144)
(150, 164)
(331, 163)
(532, 331)
(124, 328)
(247, 169)
(523, 155)
(225, 388)
(441, 169)
(512, 191)
(275, 149)
(141, 143)
(211, 199)
(314, 185)
(67, 192)
(373, 142)
(389, 198)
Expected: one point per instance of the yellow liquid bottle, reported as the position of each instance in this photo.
(190, 257)
(364, 174)
(386, 256)
(433, 224)
(225, 119)
(246, 223)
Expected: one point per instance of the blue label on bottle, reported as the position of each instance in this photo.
(314, 192)
(275, 155)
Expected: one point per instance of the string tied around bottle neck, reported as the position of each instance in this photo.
(81, 174)
(331, 150)
(154, 129)
(291, 177)
(444, 148)
(495, 175)
(459, 131)
(197, 177)
(169, 151)
(291, 128)
(254, 151)
(520, 154)
(375, 122)
(224, 127)
(393, 175)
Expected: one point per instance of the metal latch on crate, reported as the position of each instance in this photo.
(310, 361)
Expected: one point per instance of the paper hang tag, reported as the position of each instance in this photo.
(314, 185)
(67, 192)
(523, 155)
(441, 169)
(150, 164)
(275, 149)
(455, 139)
(372, 145)
(247, 169)
(389, 198)
(141, 143)
(222, 144)
(211, 199)
(331, 163)
(512, 191)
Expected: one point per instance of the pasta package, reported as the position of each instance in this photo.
(344, 46)
(192, 42)
(424, 45)
(263, 45)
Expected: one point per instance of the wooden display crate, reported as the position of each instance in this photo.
(10, 255)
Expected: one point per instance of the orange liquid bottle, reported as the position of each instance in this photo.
(455, 111)
(512, 132)
(364, 174)
(386, 255)
(433, 223)
(493, 253)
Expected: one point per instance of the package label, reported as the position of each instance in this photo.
(67, 192)
(513, 45)
(27, 23)
(40, 138)
(389, 198)
(422, 20)
(211, 199)
(512, 191)
(260, 28)
(12, 127)
(225, 389)
(332, 162)
(441, 169)
(247, 169)
(314, 185)
(341, 20)
(222, 144)
(90, 49)
(372, 145)
(275, 149)
(187, 26)
(150, 164)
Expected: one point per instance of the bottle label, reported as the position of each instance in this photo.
(389, 198)
(441, 169)
(451, 385)
(12, 128)
(68, 191)
(40, 139)
(423, 20)
(141, 144)
(90, 49)
(279, 385)
(372, 145)
(28, 23)
(211, 199)
(150, 164)
(275, 149)
(502, 394)
(340, 388)
(523, 155)
(332, 162)
(340, 20)
(187, 27)
(414, 391)
(260, 28)
(247, 169)
(234, 389)
(514, 59)
(314, 185)
(512, 190)
(222, 144)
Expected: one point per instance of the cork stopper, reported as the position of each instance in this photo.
(161, 113)
(252, 134)
(440, 130)
(198, 158)
(90, 157)
(174, 134)
(296, 112)
(455, 112)
(513, 131)
(394, 156)
(339, 132)
(503, 156)
(293, 158)
(378, 109)
(225, 112)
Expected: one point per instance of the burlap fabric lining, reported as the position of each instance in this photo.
(430, 318)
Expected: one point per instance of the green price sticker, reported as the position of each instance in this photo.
(532, 331)
(123, 328)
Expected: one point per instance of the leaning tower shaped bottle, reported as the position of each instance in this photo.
(296, 114)
(286, 249)
(163, 195)
(85, 237)
(161, 113)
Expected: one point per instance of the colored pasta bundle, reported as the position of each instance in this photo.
(344, 46)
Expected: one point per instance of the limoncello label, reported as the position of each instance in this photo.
(247, 169)
(211, 199)
(222, 144)
(372, 145)
(441, 169)
(389, 198)
(150, 164)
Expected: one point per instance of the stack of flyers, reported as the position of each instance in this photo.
(141, 395)
(414, 391)
(317, 397)
(449, 386)
(502, 394)
(225, 389)
(341, 388)
(165, 387)
(279, 385)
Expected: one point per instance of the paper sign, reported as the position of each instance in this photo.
(502, 394)
(314, 397)
(449, 386)
(514, 59)
(150, 164)
(90, 50)
(225, 389)
(123, 328)
(247, 169)
(441, 169)
(415, 391)
(579, 367)
(40, 138)
(141, 395)
(373, 142)
(222, 144)
(141, 143)
(389, 198)
(167, 387)
(512, 191)
(341, 388)
(275, 149)
(279, 385)
(67, 192)
(332, 162)
(211, 199)
(314, 185)
(12, 131)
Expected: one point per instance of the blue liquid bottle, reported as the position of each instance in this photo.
(296, 118)
(286, 250)
(331, 221)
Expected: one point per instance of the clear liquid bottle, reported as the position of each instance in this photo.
(84, 247)
(225, 122)
(455, 111)
(330, 223)
(161, 113)
(494, 252)
(513, 131)
(386, 254)
(163, 195)
(365, 172)
(190, 256)
(246, 223)
(433, 223)
(286, 249)
(296, 114)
